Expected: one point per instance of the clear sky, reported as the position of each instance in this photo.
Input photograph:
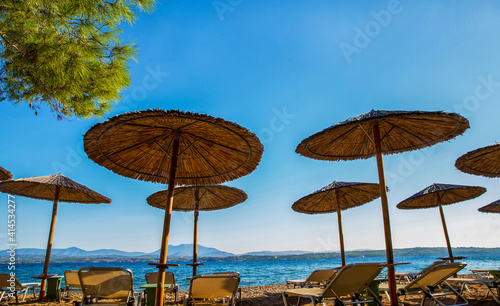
(285, 70)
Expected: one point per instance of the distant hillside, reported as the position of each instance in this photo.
(182, 250)
(183, 253)
(186, 250)
(73, 252)
(272, 253)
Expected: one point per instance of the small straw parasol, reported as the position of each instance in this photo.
(437, 195)
(173, 147)
(336, 197)
(5, 175)
(484, 161)
(491, 208)
(383, 132)
(57, 188)
(196, 198)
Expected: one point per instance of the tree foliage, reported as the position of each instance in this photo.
(66, 53)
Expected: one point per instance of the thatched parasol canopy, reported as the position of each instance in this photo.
(44, 188)
(400, 131)
(336, 197)
(196, 198)
(448, 194)
(173, 147)
(483, 161)
(211, 197)
(377, 133)
(324, 200)
(138, 145)
(437, 195)
(491, 208)
(5, 175)
(54, 188)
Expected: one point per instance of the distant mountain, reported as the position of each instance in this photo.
(74, 252)
(277, 253)
(182, 250)
(186, 250)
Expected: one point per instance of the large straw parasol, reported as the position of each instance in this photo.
(484, 161)
(336, 197)
(5, 175)
(196, 198)
(383, 132)
(491, 208)
(437, 195)
(57, 188)
(173, 147)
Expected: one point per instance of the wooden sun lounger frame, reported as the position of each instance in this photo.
(351, 280)
(432, 284)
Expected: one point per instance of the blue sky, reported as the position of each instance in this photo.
(285, 70)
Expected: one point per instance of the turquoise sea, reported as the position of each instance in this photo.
(255, 272)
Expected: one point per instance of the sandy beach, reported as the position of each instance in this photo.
(271, 296)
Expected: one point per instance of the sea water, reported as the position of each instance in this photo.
(252, 272)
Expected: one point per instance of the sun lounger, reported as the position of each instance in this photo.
(99, 283)
(238, 291)
(489, 282)
(406, 277)
(316, 279)
(10, 286)
(346, 286)
(72, 283)
(152, 278)
(207, 288)
(431, 283)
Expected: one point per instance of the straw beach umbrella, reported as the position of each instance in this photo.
(173, 147)
(5, 175)
(336, 197)
(198, 198)
(484, 161)
(491, 208)
(437, 195)
(57, 188)
(382, 132)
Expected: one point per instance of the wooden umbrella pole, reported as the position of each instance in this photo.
(385, 212)
(448, 244)
(166, 222)
(341, 233)
(195, 239)
(49, 246)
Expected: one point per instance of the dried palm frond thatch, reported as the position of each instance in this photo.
(491, 208)
(400, 131)
(5, 175)
(44, 188)
(484, 161)
(139, 145)
(211, 197)
(324, 200)
(441, 194)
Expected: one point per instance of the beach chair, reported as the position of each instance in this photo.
(317, 278)
(490, 284)
(211, 289)
(407, 277)
(238, 291)
(346, 287)
(11, 286)
(152, 278)
(101, 283)
(71, 283)
(432, 284)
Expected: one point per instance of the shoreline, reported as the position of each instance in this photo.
(270, 295)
